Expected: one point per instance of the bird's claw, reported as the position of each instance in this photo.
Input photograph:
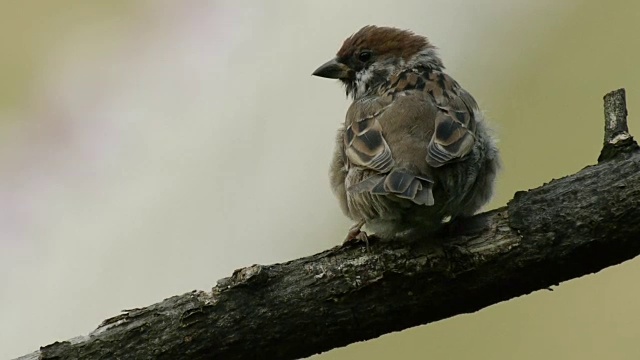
(356, 235)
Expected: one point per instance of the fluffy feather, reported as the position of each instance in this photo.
(414, 148)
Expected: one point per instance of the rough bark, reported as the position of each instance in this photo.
(565, 229)
(616, 132)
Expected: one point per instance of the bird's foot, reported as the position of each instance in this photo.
(356, 235)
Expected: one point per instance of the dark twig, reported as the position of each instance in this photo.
(617, 139)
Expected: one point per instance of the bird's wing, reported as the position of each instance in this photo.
(454, 122)
(364, 143)
(366, 146)
(421, 115)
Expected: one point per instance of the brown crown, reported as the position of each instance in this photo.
(383, 41)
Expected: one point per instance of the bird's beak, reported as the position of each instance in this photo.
(332, 69)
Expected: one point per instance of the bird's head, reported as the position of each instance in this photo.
(369, 57)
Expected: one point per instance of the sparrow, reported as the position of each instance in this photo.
(415, 150)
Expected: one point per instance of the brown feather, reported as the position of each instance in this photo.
(384, 40)
(412, 150)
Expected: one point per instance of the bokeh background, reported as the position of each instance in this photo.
(149, 147)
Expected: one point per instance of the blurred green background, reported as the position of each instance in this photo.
(149, 148)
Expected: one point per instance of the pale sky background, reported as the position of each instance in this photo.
(149, 148)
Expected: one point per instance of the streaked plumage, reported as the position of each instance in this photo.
(414, 148)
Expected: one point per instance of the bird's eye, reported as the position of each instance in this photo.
(364, 55)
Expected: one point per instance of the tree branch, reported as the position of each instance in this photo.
(616, 132)
(568, 228)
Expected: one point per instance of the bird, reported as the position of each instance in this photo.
(415, 151)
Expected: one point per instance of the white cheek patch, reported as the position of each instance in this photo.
(375, 72)
(362, 80)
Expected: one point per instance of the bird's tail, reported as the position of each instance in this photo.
(399, 183)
